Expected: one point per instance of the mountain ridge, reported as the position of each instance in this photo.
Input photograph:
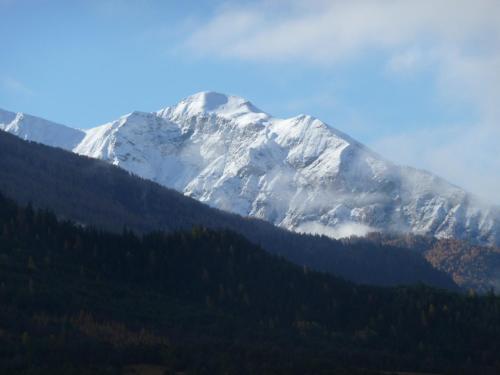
(298, 173)
(95, 193)
(30, 127)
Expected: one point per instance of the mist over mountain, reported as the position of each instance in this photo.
(297, 173)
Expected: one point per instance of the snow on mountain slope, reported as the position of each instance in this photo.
(39, 130)
(298, 173)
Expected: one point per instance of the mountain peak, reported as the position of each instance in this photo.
(208, 101)
(298, 173)
(137, 115)
(227, 106)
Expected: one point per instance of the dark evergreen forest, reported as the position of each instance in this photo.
(79, 300)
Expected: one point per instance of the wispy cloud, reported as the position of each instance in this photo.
(328, 31)
(15, 86)
(409, 60)
(466, 155)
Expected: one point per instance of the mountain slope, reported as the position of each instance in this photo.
(90, 191)
(297, 173)
(34, 128)
(471, 266)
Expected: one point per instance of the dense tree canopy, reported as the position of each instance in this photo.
(81, 300)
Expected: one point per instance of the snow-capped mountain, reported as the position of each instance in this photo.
(37, 129)
(298, 173)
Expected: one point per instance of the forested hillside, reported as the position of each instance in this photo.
(79, 300)
(472, 267)
(92, 192)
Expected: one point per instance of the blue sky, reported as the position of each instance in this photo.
(416, 81)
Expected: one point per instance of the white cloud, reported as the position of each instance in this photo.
(473, 78)
(468, 154)
(408, 61)
(327, 31)
(339, 231)
(458, 40)
(465, 155)
(14, 86)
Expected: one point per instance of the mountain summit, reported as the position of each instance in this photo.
(297, 173)
(227, 106)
